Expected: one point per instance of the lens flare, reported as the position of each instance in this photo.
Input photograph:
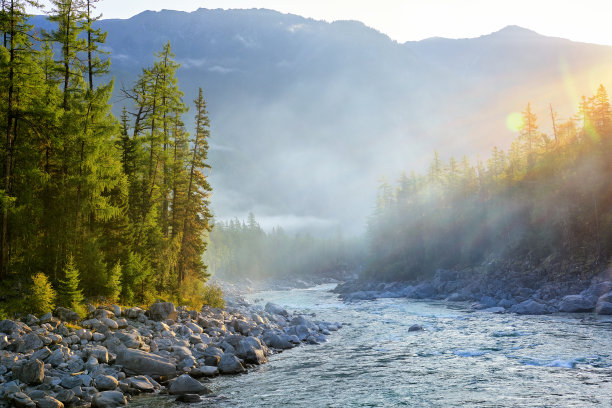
(514, 121)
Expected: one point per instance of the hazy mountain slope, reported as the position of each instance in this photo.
(307, 115)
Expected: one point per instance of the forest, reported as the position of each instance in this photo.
(239, 250)
(544, 206)
(95, 207)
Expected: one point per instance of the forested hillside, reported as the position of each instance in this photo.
(286, 92)
(544, 206)
(93, 206)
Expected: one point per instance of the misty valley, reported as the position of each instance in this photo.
(244, 208)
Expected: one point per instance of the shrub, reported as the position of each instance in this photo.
(42, 299)
(195, 294)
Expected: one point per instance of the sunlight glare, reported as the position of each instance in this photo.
(514, 121)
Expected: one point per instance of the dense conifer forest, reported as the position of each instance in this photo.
(543, 207)
(243, 249)
(94, 207)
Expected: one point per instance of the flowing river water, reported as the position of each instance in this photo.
(461, 358)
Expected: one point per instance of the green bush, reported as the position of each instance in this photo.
(195, 294)
(42, 299)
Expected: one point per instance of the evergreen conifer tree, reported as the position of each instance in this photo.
(71, 295)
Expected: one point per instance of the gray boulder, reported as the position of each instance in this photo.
(67, 315)
(99, 352)
(71, 381)
(48, 402)
(606, 297)
(106, 382)
(110, 323)
(141, 383)
(576, 303)
(251, 351)
(57, 357)
(204, 371)
(108, 399)
(41, 354)
(184, 384)
(530, 307)
(604, 308)
(19, 399)
(140, 362)
(160, 311)
(273, 308)
(31, 372)
(229, 364)
(116, 310)
(129, 340)
(276, 341)
(30, 341)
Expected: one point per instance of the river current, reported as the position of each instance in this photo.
(462, 358)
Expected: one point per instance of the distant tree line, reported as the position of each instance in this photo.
(546, 204)
(93, 206)
(240, 249)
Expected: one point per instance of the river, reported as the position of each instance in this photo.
(461, 358)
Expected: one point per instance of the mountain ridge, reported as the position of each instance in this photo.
(337, 105)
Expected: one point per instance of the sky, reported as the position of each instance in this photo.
(412, 20)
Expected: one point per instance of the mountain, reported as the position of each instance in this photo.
(308, 115)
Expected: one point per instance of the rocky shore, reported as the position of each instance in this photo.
(114, 354)
(495, 292)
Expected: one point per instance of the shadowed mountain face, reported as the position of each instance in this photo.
(307, 115)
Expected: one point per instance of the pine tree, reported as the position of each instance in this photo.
(19, 85)
(197, 217)
(70, 293)
(529, 135)
(113, 282)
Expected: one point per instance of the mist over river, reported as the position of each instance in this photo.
(461, 358)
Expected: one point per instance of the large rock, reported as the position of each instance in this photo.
(30, 341)
(9, 326)
(604, 308)
(276, 341)
(140, 362)
(576, 303)
(606, 297)
(108, 399)
(230, 364)
(250, 350)
(129, 340)
(106, 382)
(48, 402)
(110, 323)
(162, 310)
(141, 383)
(99, 352)
(273, 308)
(184, 384)
(67, 315)
(31, 372)
(530, 307)
(41, 354)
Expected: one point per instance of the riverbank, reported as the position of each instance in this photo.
(495, 291)
(116, 353)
